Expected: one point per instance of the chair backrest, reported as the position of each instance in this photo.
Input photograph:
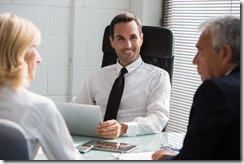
(157, 48)
(14, 144)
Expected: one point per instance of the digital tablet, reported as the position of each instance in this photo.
(111, 146)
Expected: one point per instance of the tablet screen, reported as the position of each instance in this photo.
(112, 146)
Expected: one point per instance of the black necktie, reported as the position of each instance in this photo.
(115, 96)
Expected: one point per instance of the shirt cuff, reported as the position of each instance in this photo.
(132, 129)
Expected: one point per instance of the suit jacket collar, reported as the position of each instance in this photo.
(236, 69)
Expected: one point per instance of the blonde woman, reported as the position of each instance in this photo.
(38, 115)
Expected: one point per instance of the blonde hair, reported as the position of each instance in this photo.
(17, 35)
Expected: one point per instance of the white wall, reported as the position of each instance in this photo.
(72, 30)
(150, 11)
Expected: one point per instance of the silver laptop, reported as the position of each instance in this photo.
(81, 119)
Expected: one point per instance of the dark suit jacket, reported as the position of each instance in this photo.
(213, 132)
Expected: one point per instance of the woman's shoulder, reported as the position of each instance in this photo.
(39, 98)
(40, 102)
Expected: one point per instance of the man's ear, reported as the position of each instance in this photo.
(142, 38)
(226, 53)
(111, 41)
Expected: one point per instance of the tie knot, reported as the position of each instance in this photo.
(123, 71)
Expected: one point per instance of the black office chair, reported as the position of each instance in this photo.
(14, 144)
(157, 48)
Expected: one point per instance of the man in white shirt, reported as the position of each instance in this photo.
(144, 106)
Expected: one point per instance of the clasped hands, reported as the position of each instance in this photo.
(111, 129)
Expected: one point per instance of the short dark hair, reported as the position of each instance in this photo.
(124, 17)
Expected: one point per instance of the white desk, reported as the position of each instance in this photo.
(148, 143)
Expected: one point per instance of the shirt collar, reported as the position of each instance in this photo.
(133, 66)
(235, 69)
(228, 72)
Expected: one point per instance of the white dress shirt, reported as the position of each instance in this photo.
(41, 120)
(145, 101)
